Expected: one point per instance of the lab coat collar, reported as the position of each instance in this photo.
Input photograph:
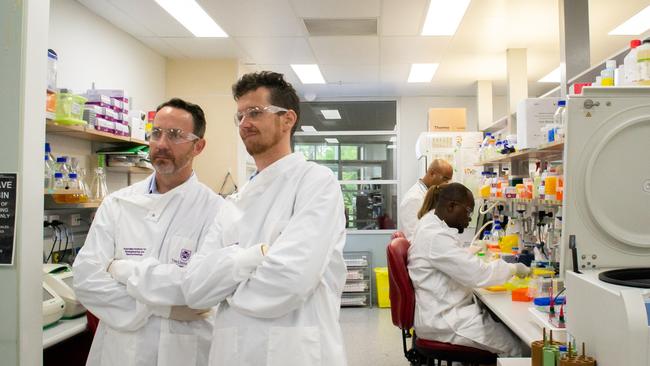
(270, 173)
(156, 203)
(422, 186)
(442, 224)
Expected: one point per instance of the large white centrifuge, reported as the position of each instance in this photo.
(607, 212)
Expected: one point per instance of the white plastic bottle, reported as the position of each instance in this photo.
(630, 64)
(607, 75)
(643, 62)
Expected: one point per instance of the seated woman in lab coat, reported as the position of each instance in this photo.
(444, 275)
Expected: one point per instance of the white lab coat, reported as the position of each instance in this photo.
(167, 228)
(285, 311)
(444, 275)
(409, 207)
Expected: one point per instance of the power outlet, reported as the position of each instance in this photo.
(75, 220)
(55, 217)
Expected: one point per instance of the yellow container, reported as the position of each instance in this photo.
(550, 187)
(69, 109)
(508, 242)
(381, 276)
(484, 192)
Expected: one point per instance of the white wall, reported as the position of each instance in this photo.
(413, 121)
(91, 49)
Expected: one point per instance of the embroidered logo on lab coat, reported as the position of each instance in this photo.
(183, 258)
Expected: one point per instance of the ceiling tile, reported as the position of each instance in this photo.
(152, 17)
(402, 18)
(346, 50)
(336, 8)
(277, 50)
(161, 47)
(350, 74)
(394, 73)
(255, 18)
(117, 17)
(204, 47)
(407, 50)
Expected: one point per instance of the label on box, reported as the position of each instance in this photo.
(105, 125)
(111, 114)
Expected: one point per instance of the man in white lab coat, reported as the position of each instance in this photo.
(444, 275)
(161, 219)
(438, 172)
(275, 265)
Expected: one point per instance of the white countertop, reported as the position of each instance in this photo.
(514, 314)
(62, 330)
(514, 361)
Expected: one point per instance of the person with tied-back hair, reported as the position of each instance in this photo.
(438, 172)
(444, 275)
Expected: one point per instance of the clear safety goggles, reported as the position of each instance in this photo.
(173, 135)
(255, 113)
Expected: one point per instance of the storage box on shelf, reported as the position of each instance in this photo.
(358, 286)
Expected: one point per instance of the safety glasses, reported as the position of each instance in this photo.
(254, 113)
(173, 135)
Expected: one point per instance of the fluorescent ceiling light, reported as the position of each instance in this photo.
(443, 17)
(308, 128)
(193, 17)
(637, 24)
(552, 77)
(308, 73)
(331, 113)
(331, 140)
(422, 73)
(390, 146)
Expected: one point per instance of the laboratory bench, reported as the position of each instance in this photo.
(63, 329)
(513, 314)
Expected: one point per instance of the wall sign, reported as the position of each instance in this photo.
(8, 190)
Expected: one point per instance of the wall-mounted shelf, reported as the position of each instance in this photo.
(90, 134)
(49, 204)
(535, 201)
(497, 125)
(548, 152)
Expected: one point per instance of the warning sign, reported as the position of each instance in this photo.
(8, 190)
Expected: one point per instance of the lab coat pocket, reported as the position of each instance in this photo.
(119, 348)
(180, 250)
(177, 349)
(294, 346)
(224, 350)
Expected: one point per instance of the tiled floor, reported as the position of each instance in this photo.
(371, 338)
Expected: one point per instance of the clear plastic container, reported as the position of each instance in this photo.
(52, 59)
(69, 108)
(60, 184)
(643, 62)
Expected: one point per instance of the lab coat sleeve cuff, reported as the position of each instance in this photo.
(161, 310)
(122, 269)
(247, 261)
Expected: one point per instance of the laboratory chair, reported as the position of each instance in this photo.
(402, 300)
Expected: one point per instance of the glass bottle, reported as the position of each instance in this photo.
(98, 188)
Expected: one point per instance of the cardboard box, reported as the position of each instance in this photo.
(447, 119)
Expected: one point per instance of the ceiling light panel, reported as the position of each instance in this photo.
(636, 25)
(444, 17)
(331, 140)
(308, 128)
(422, 73)
(308, 73)
(190, 14)
(331, 113)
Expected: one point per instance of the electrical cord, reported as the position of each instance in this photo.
(55, 235)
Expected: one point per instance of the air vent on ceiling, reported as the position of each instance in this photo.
(341, 27)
